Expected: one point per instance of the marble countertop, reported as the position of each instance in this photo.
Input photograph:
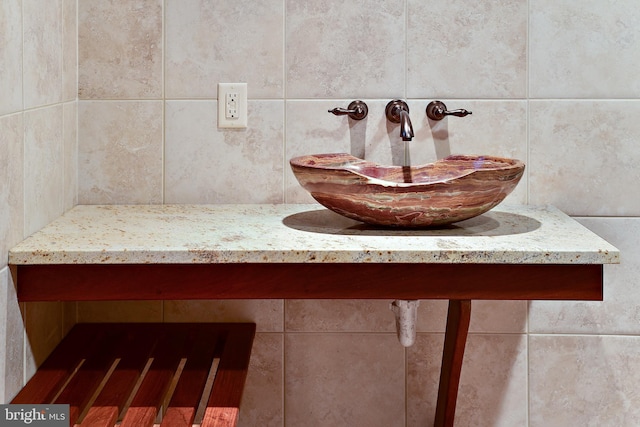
(197, 234)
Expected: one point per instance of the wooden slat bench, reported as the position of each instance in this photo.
(172, 374)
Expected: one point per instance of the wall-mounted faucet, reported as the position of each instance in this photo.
(436, 110)
(397, 111)
(357, 110)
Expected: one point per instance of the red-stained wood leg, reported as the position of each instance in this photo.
(452, 355)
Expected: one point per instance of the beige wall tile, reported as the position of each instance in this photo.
(584, 381)
(584, 156)
(11, 338)
(423, 376)
(498, 317)
(486, 316)
(493, 383)
(344, 380)
(333, 48)
(211, 42)
(467, 49)
(339, 316)
(69, 50)
(11, 183)
(119, 152)
(119, 311)
(618, 313)
(10, 56)
(44, 175)
(70, 136)
(584, 52)
(205, 164)
(496, 128)
(267, 314)
(42, 76)
(120, 49)
(263, 396)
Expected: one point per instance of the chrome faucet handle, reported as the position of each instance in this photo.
(436, 110)
(357, 110)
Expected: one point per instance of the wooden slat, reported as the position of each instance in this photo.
(79, 282)
(222, 409)
(220, 417)
(57, 368)
(147, 402)
(188, 392)
(78, 392)
(131, 346)
(133, 354)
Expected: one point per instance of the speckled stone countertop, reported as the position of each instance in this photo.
(179, 234)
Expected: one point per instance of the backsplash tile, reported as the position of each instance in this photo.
(119, 311)
(584, 381)
(334, 49)
(204, 164)
(584, 52)
(119, 49)
(119, 152)
(42, 61)
(467, 48)
(263, 396)
(268, 315)
(339, 316)
(70, 150)
(209, 42)
(69, 50)
(11, 183)
(10, 56)
(493, 382)
(344, 380)
(584, 156)
(43, 153)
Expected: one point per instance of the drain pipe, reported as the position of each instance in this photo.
(406, 312)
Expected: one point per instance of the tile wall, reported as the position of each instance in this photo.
(552, 82)
(38, 162)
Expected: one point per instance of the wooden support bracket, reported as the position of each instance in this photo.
(454, 342)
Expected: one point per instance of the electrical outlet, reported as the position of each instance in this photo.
(232, 105)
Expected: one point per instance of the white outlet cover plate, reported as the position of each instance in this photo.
(232, 96)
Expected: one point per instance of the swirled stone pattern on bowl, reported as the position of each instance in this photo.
(449, 190)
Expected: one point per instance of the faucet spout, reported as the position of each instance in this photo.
(397, 111)
(406, 128)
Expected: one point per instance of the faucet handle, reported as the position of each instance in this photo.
(357, 110)
(436, 110)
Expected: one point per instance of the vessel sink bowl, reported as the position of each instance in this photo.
(449, 190)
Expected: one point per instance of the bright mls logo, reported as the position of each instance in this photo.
(34, 415)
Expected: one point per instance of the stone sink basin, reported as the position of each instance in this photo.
(449, 190)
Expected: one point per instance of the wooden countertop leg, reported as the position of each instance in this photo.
(452, 355)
